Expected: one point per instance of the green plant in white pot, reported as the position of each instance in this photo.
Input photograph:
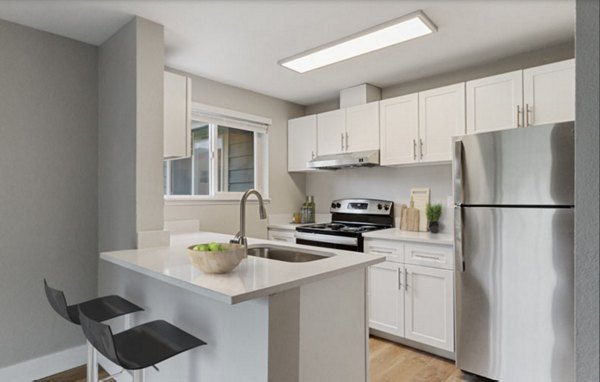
(434, 212)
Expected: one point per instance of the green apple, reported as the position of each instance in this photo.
(214, 247)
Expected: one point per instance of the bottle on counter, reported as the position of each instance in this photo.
(312, 207)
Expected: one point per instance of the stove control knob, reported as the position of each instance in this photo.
(387, 207)
(379, 206)
(333, 205)
(338, 205)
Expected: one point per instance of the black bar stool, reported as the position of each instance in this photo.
(139, 347)
(100, 309)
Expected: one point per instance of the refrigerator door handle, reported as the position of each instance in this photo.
(458, 231)
(457, 172)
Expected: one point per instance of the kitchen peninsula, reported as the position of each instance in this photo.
(267, 320)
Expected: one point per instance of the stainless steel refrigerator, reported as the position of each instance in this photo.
(514, 196)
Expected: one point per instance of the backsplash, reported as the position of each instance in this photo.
(391, 183)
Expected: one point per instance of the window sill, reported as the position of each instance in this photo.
(188, 200)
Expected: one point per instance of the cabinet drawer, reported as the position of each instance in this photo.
(393, 250)
(282, 235)
(435, 256)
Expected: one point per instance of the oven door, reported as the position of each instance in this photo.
(329, 241)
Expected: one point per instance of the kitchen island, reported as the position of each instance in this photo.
(267, 320)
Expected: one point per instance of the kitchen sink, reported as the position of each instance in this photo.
(290, 255)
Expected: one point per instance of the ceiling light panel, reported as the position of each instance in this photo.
(381, 36)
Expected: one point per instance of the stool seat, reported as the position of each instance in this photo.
(141, 346)
(153, 342)
(99, 309)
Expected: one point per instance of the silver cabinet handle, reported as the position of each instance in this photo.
(421, 147)
(429, 257)
(519, 112)
(405, 279)
(342, 141)
(312, 153)
(527, 112)
(399, 279)
(382, 251)
(346, 141)
(414, 149)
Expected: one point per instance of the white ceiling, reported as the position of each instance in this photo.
(240, 42)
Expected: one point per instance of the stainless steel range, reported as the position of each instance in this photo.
(350, 218)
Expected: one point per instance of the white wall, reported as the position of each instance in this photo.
(383, 183)
(286, 190)
(586, 195)
(48, 187)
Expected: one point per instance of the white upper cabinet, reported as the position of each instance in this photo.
(362, 127)
(549, 93)
(331, 132)
(535, 96)
(177, 116)
(302, 142)
(495, 103)
(441, 116)
(399, 129)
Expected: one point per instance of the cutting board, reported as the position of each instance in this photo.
(420, 197)
(409, 218)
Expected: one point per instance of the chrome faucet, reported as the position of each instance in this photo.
(240, 237)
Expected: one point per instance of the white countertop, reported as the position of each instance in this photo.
(254, 277)
(421, 237)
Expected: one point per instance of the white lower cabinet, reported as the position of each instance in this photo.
(386, 300)
(409, 300)
(429, 306)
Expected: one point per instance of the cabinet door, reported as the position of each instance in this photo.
(399, 129)
(177, 123)
(386, 298)
(441, 116)
(362, 127)
(331, 129)
(495, 103)
(549, 93)
(429, 304)
(302, 142)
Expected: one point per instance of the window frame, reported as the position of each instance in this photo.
(231, 119)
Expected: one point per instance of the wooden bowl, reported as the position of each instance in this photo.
(217, 262)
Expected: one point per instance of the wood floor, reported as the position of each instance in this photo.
(391, 362)
(77, 374)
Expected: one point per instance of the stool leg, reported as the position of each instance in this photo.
(92, 364)
(138, 375)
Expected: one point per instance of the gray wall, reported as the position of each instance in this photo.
(130, 137)
(117, 140)
(586, 194)
(48, 187)
(286, 190)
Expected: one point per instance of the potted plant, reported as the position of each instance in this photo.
(434, 211)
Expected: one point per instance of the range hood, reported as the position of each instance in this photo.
(346, 160)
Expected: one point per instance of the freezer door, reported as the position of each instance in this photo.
(529, 166)
(514, 293)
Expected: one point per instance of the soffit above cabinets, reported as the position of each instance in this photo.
(240, 42)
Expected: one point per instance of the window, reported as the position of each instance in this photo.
(226, 159)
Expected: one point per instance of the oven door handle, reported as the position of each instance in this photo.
(344, 240)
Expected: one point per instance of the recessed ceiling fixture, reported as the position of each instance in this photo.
(393, 32)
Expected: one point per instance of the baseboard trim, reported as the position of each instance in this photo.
(46, 365)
